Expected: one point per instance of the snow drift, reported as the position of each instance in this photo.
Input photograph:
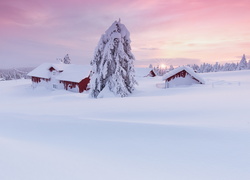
(195, 132)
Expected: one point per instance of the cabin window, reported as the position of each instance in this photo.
(54, 72)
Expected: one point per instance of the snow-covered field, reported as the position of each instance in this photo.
(199, 132)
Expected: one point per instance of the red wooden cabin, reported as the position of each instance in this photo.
(70, 77)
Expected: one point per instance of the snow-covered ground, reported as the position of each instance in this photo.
(199, 132)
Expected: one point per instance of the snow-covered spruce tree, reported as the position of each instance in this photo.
(112, 65)
(171, 67)
(243, 63)
(66, 59)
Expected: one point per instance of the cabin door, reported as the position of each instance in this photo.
(53, 79)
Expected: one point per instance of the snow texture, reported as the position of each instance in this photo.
(192, 133)
(41, 71)
(199, 132)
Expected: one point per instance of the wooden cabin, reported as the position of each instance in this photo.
(182, 76)
(70, 77)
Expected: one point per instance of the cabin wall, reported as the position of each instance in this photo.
(47, 83)
(69, 86)
(76, 87)
(83, 85)
(55, 84)
(36, 82)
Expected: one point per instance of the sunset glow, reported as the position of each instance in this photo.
(179, 31)
(163, 66)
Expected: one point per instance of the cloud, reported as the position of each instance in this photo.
(149, 49)
(194, 29)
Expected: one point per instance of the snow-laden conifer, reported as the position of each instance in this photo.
(171, 67)
(112, 65)
(243, 63)
(66, 59)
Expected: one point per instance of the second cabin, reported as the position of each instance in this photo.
(182, 76)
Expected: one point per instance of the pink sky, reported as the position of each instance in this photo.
(167, 31)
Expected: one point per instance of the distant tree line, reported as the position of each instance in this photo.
(14, 73)
(21, 73)
(206, 67)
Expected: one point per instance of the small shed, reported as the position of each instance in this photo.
(144, 72)
(70, 77)
(182, 76)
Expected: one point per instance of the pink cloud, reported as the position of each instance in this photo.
(195, 29)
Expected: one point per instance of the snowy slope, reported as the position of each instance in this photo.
(195, 132)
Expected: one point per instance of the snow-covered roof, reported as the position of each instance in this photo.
(74, 72)
(41, 71)
(187, 69)
(58, 67)
(141, 72)
(70, 72)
